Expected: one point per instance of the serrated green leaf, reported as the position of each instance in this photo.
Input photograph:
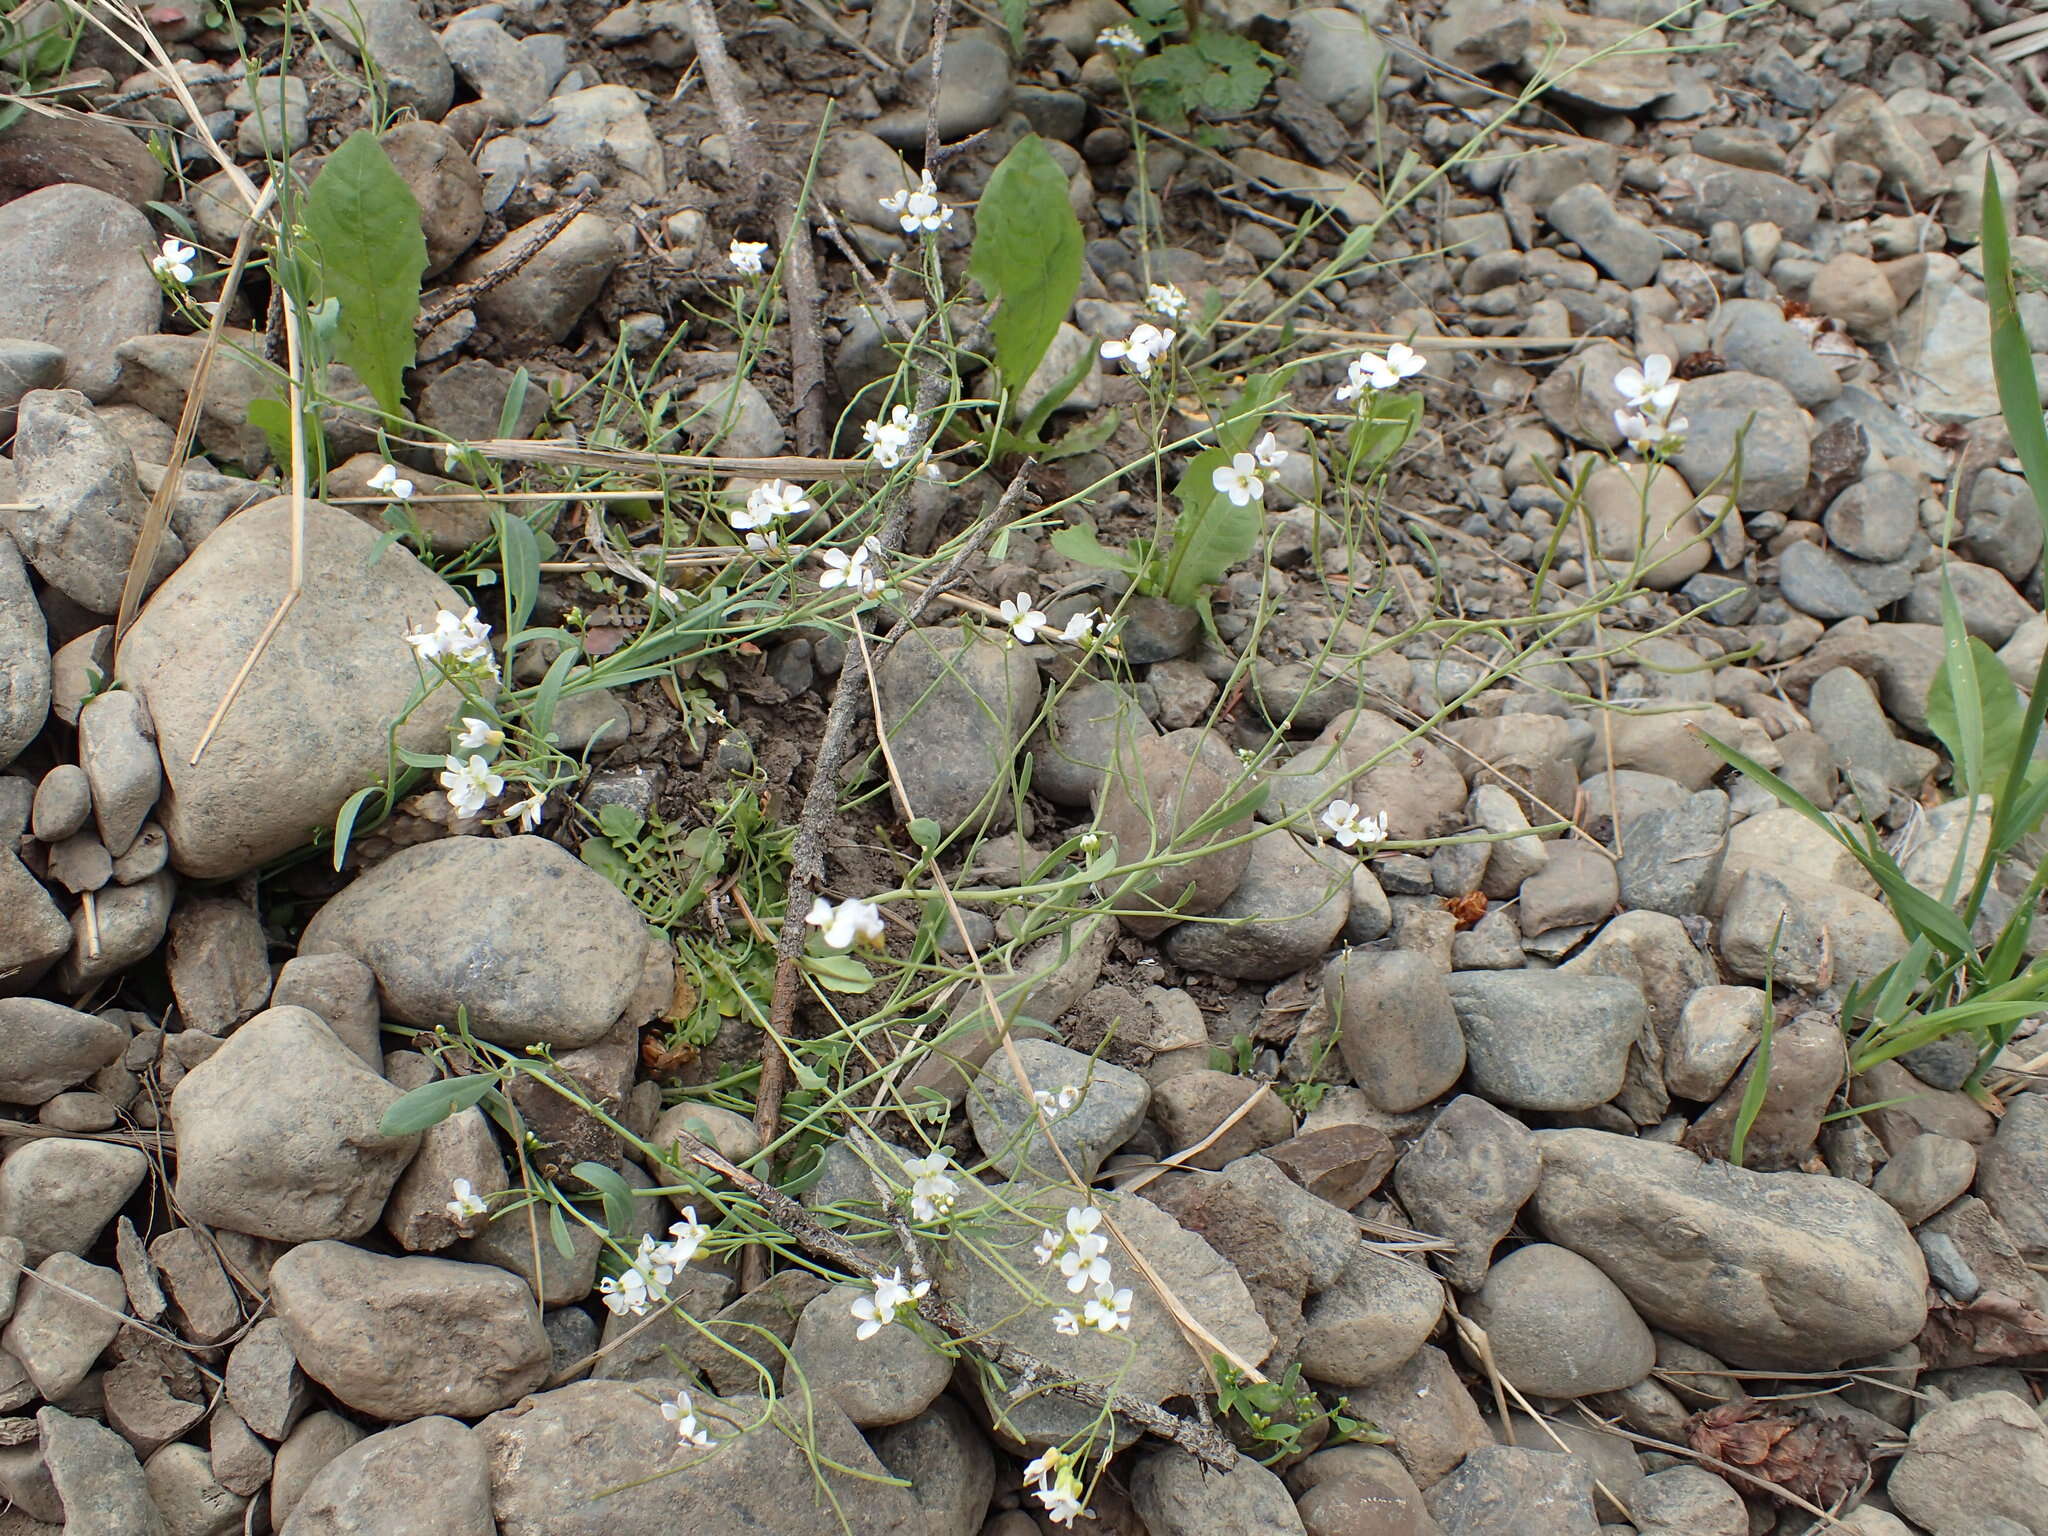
(1027, 257)
(431, 1103)
(365, 226)
(614, 1191)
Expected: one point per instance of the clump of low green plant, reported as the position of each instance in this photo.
(1199, 70)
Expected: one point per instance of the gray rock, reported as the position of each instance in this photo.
(1941, 347)
(343, 991)
(1396, 1026)
(1788, 1271)
(586, 1459)
(79, 504)
(1148, 809)
(444, 183)
(886, 1378)
(1337, 61)
(132, 920)
(1928, 1173)
(1189, 1106)
(1876, 518)
(1866, 129)
(1623, 248)
(410, 63)
(1425, 1407)
(606, 127)
(46, 1048)
(1382, 765)
(1991, 609)
(157, 373)
(1091, 726)
(1318, 1228)
(219, 963)
(1543, 1040)
(1558, 1327)
(121, 765)
(239, 1459)
(2001, 528)
(1371, 1321)
(542, 303)
(96, 1478)
(974, 88)
(309, 728)
(202, 1300)
(24, 657)
(63, 800)
(945, 1457)
(33, 933)
(491, 62)
(1112, 1105)
(67, 1312)
(1176, 1495)
(26, 365)
(1688, 1500)
(730, 415)
(563, 982)
(1466, 1179)
(505, 1242)
(1505, 1487)
(956, 707)
(1649, 516)
(1755, 337)
(1971, 1462)
(401, 1338)
(1819, 583)
(1286, 912)
(1718, 1029)
(1806, 1067)
(1714, 191)
(1735, 411)
(1854, 290)
(57, 1195)
(1670, 858)
(76, 276)
(460, 1147)
(428, 1477)
(1579, 399)
(1806, 932)
(1846, 715)
(2012, 1174)
(1576, 887)
(192, 1503)
(278, 1133)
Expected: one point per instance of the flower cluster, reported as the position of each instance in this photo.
(1241, 479)
(1120, 40)
(859, 570)
(463, 639)
(1059, 1486)
(1145, 345)
(1351, 826)
(1081, 1255)
(1646, 421)
(747, 255)
(683, 1415)
(1369, 372)
(654, 1265)
(769, 501)
(1027, 622)
(847, 923)
(889, 439)
(933, 1191)
(1057, 1104)
(174, 261)
(1166, 299)
(471, 783)
(891, 1295)
(392, 483)
(919, 212)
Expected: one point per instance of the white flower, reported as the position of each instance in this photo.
(467, 1202)
(1042, 1468)
(1369, 371)
(626, 1293)
(392, 483)
(529, 811)
(1090, 841)
(1403, 362)
(1650, 388)
(465, 639)
(770, 500)
(889, 439)
(1268, 452)
(479, 735)
(932, 1191)
(1022, 615)
(1083, 627)
(769, 542)
(1649, 434)
(1108, 1309)
(471, 785)
(1120, 40)
(1057, 1104)
(685, 1238)
(1083, 1265)
(1350, 825)
(650, 1261)
(174, 261)
(855, 570)
(1142, 348)
(848, 923)
(1062, 1500)
(1239, 480)
(878, 1311)
(1166, 299)
(746, 255)
(919, 211)
(683, 1415)
(1064, 1321)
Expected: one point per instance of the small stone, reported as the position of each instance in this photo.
(1093, 725)
(96, 1478)
(1176, 1495)
(2012, 1174)
(1817, 583)
(1991, 608)
(1761, 414)
(1876, 518)
(1716, 1032)
(974, 88)
(886, 1378)
(76, 277)
(46, 1047)
(1558, 1327)
(63, 801)
(183, 1490)
(1111, 1105)
(202, 1299)
(1577, 886)
(1371, 1321)
(219, 963)
(1397, 1029)
(1498, 1487)
(130, 924)
(1542, 1040)
(80, 863)
(1807, 1064)
(541, 304)
(1425, 1407)
(410, 63)
(1341, 1164)
(343, 992)
(316, 1440)
(1148, 809)
(1190, 1106)
(957, 707)
(460, 1147)
(1805, 932)
(946, 1459)
(1285, 913)
(428, 1478)
(1688, 1500)
(1972, 1461)
(1465, 1179)
(144, 1410)
(241, 1462)
(490, 60)
(1413, 782)
(1928, 1173)
(67, 1312)
(445, 185)
(1755, 337)
(57, 1195)
(1623, 248)
(264, 1382)
(1671, 858)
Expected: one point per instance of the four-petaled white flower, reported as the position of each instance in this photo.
(1108, 1309)
(683, 1415)
(529, 811)
(479, 735)
(1651, 434)
(650, 1260)
(746, 255)
(1166, 299)
(1146, 344)
(463, 638)
(1369, 371)
(932, 1191)
(467, 1202)
(1120, 40)
(392, 483)
(1350, 825)
(174, 260)
(1239, 480)
(856, 570)
(889, 439)
(685, 1238)
(1064, 1321)
(919, 212)
(1650, 388)
(1023, 616)
(627, 1292)
(1059, 1485)
(891, 1295)
(1078, 1251)
(470, 784)
(848, 923)
(768, 501)
(768, 541)
(1057, 1104)
(1268, 452)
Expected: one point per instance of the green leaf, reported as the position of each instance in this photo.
(273, 418)
(1080, 545)
(431, 1103)
(614, 1191)
(558, 1229)
(1212, 533)
(925, 832)
(362, 220)
(1014, 12)
(2012, 361)
(602, 856)
(1377, 438)
(519, 553)
(345, 820)
(839, 973)
(1027, 257)
(1085, 437)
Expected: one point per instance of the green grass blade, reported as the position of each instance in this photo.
(2012, 362)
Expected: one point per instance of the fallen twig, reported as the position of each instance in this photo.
(463, 295)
